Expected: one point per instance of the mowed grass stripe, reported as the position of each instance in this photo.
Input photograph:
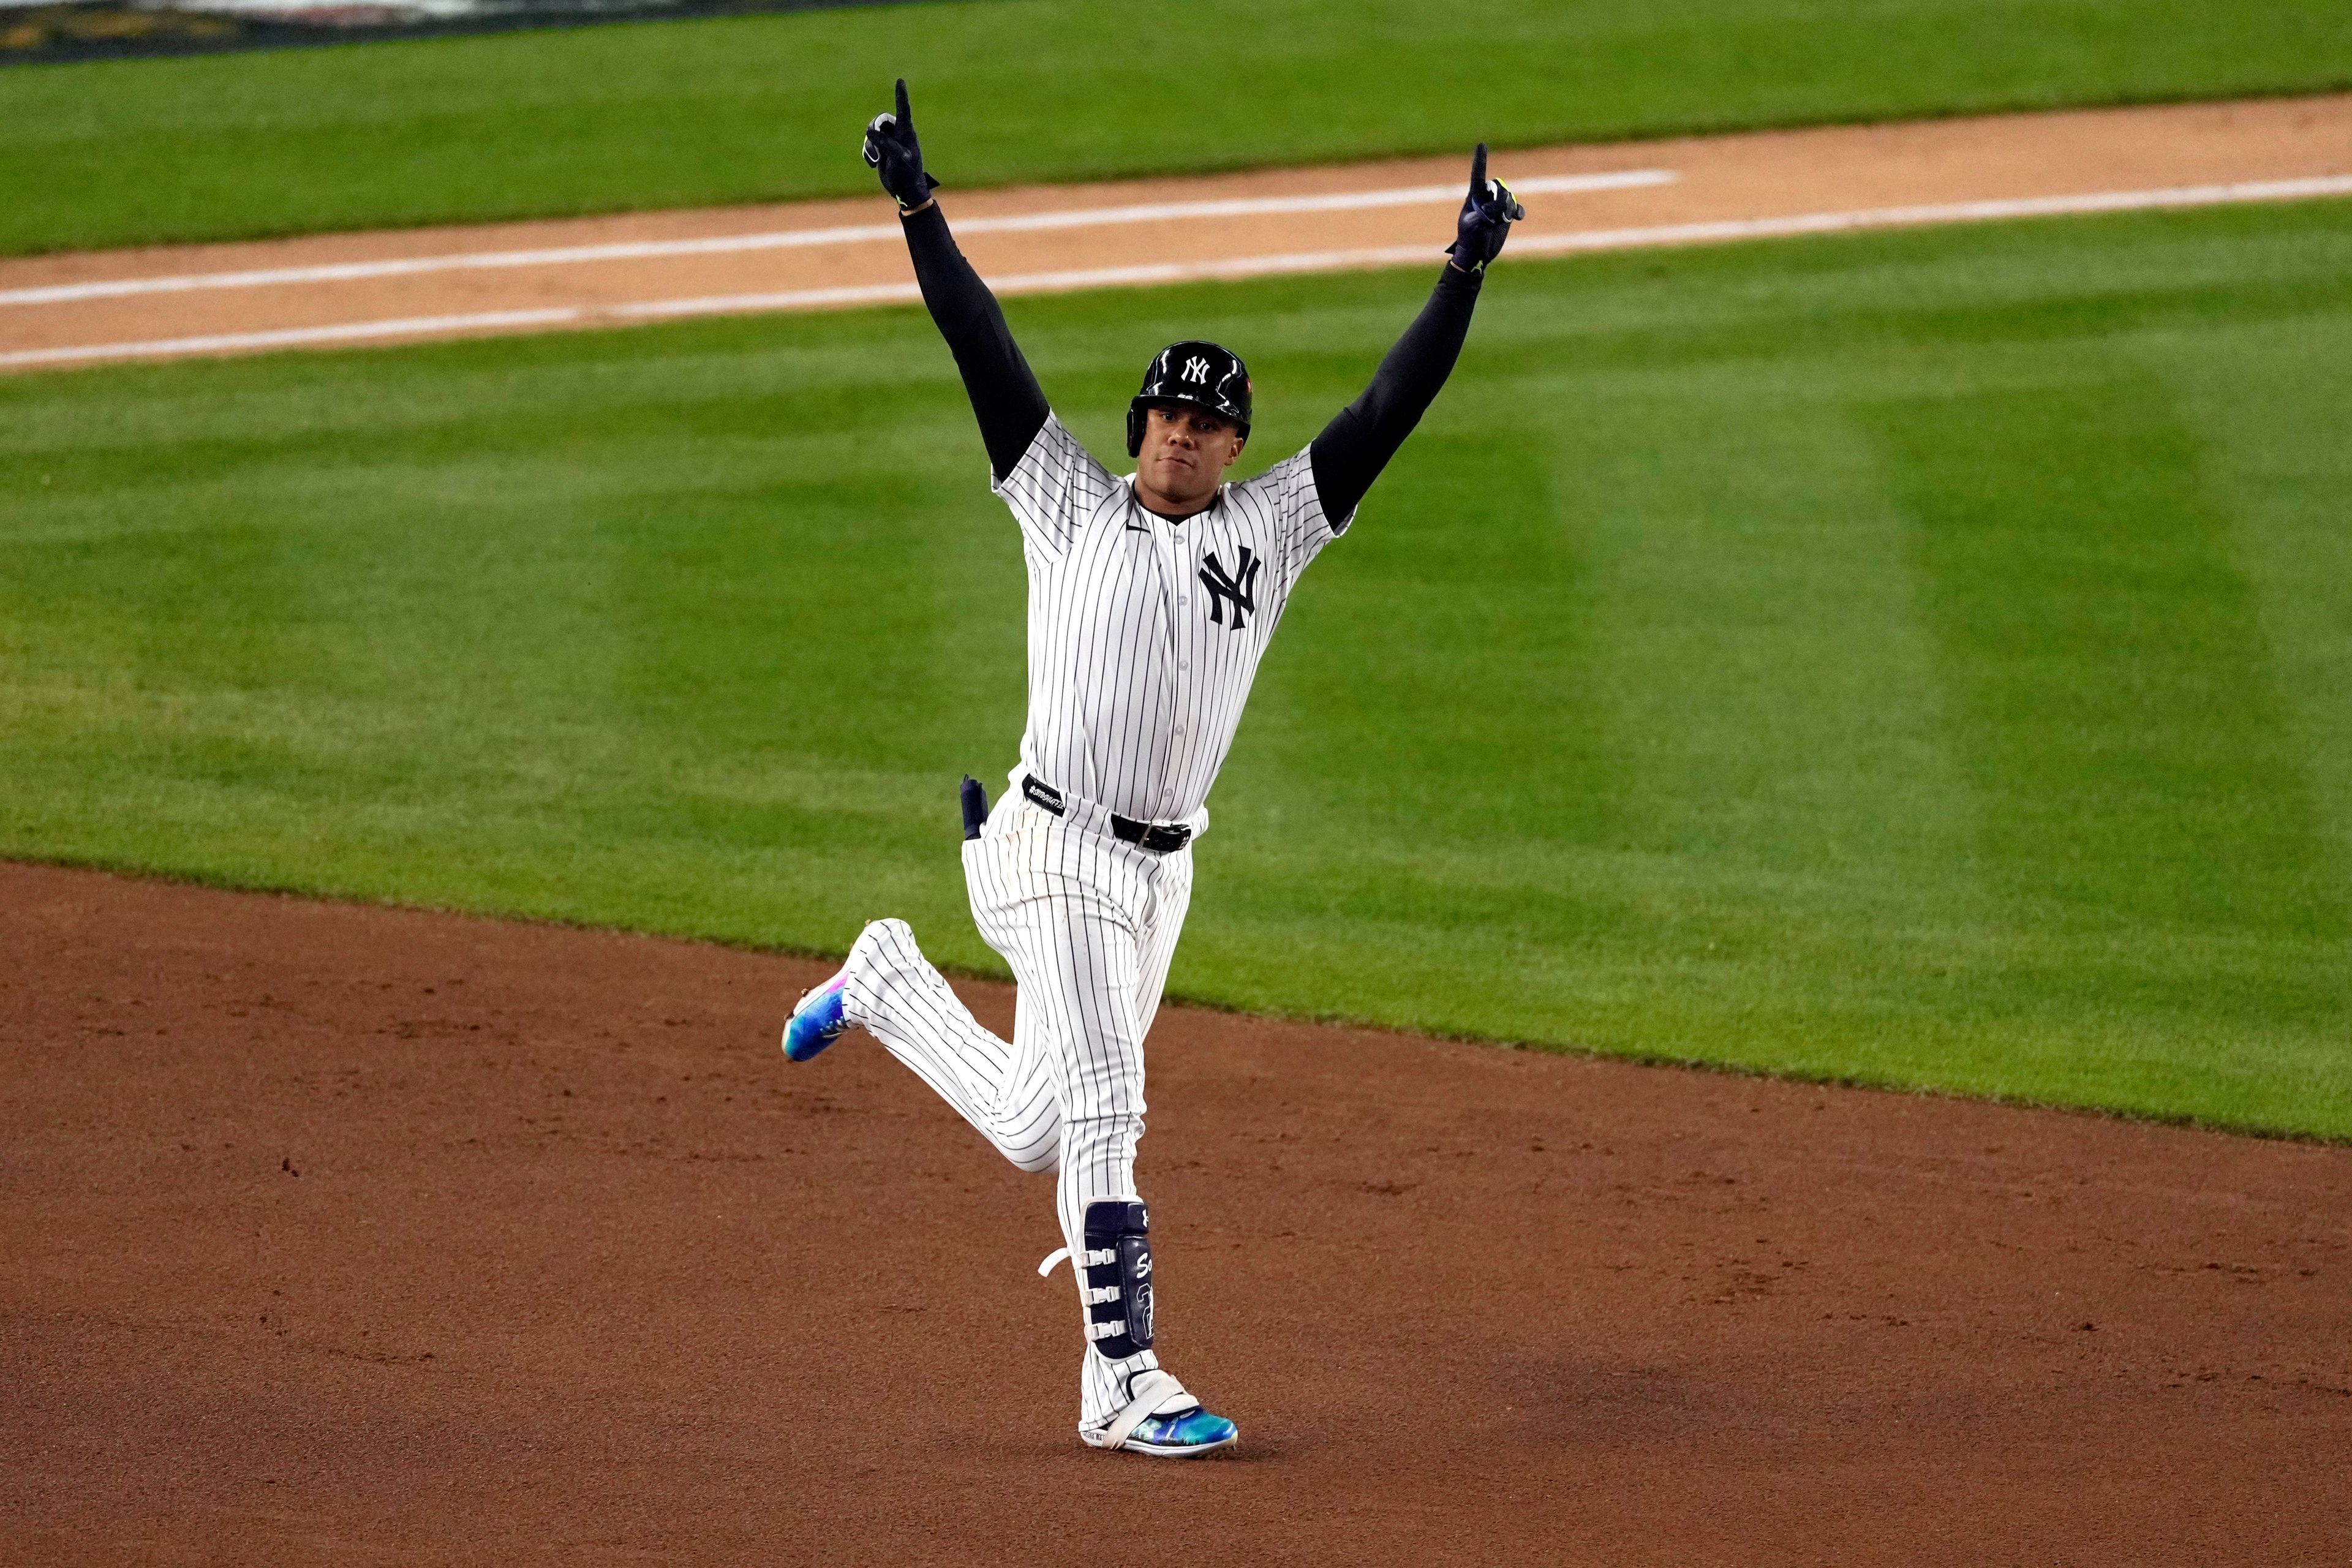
(768, 107)
(2077, 629)
(1903, 658)
(2283, 485)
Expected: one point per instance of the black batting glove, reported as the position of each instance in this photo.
(1487, 214)
(896, 156)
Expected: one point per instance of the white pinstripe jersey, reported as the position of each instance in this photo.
(1145, 634)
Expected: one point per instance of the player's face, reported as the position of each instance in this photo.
(1186, 454)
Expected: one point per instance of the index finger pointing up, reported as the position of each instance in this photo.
(1477, 169)
(905, 115)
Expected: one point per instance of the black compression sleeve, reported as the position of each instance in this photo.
(1005, 393)
(1358, 444)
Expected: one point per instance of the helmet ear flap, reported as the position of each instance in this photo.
(1135, 428)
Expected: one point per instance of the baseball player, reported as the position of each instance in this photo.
(1152, 599)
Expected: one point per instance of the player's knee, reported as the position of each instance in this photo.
(1034, 1158)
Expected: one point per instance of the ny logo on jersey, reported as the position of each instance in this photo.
(1240, 589)
(1196, 370)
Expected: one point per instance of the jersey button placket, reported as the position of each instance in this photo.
(1170, 552)
(1184, 605)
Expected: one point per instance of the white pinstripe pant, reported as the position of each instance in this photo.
(1088, 924)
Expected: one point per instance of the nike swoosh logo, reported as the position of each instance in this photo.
(1132, 528)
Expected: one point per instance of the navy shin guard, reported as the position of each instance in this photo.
(1117, 1277)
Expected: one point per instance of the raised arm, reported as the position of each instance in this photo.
(1004, 393)
(1359, 442)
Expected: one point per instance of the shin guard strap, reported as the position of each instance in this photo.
(1151, 1393)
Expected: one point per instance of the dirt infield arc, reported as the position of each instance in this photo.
(324, 290)
(342, 1234)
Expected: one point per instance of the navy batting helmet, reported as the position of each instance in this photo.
(1201, 374)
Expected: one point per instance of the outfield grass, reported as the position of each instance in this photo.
(1919, 658)
(661, 114)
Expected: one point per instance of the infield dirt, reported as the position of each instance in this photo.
(337, 1233)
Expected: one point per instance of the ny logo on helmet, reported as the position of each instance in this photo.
(1239, 589)
(1196, 370)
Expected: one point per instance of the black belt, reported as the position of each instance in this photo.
(1160, 837)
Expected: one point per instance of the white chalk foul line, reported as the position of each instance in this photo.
(1946, 212)
(298, 337)
(1238, 266)
(1147, 273)
(786, 239)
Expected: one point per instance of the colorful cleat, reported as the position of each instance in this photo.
(1185, 1436)
(1163, 1420)
(817, 1020)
